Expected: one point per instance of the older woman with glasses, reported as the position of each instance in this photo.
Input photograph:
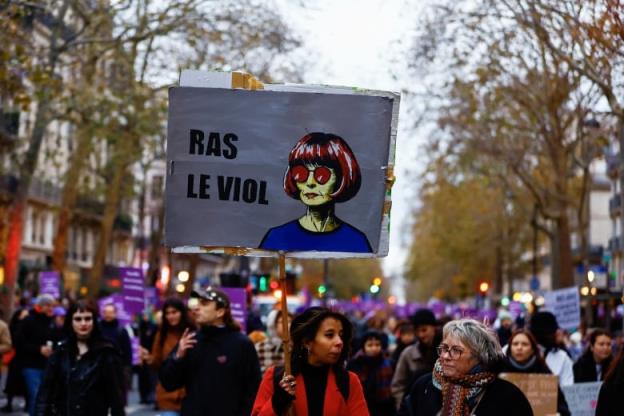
(464, 379)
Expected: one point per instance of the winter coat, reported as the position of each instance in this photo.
(412, 365)
(561, 365)
(500, 397)
(270, 353)
(585, 368)
(166, 400)
(375, 374)
(538, 367)
(334, 404)
(34, 332)
(89, 385)
(120, 339)
(220, 373)
(610, 399)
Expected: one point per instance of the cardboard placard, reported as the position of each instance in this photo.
(540, 389)
(247, 169)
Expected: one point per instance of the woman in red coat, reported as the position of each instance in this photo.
(319, 384)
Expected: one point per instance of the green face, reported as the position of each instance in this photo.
(316, 190)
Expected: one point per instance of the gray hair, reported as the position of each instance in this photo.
(481, 340)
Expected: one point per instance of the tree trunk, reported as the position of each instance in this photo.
(106, 230)
(26, 171)
(19, 204)
(566, 270)
(70, 195)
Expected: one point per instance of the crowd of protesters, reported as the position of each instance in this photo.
(66, 359)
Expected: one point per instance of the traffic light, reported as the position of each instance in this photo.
(263, 284)
(483, 288)
(375, 288)
(321, 290)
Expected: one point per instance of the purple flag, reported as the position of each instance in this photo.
(238, 304)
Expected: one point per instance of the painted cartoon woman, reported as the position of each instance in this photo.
(322, 170)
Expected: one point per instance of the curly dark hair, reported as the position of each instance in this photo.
(305, 327)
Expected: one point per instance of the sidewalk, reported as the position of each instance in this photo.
(134, 408)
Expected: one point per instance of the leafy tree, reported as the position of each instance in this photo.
(511, 101)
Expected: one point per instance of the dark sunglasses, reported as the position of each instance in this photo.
(300, 174)
(83, 318)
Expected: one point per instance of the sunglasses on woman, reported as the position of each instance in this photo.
(300, 174)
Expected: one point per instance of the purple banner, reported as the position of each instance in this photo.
(238, 304)
(135, 343)
(122, 316)
(49, 284)
(133, 289)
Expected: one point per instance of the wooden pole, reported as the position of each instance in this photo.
(284, 308)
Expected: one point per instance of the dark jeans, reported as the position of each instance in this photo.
(32, 378)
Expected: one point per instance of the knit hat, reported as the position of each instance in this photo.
(45, 299)
(423, 317)
(543, 323)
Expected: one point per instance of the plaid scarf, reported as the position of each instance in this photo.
(459, 394)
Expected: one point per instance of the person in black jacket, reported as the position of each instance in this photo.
(119, 337)
(595, 361)
(523, 356)
(35, 342)
(217, 365)
(83, 376)
(464, 379)
(610, 398)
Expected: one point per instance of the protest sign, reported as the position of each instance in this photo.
(540, 390)
(257, 169)
(117, 300)
(565, 304)
(133, 289)
(50, 284)
(582, 398)
(238, 304)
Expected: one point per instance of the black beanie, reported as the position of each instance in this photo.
(423, 317)
(543, 323)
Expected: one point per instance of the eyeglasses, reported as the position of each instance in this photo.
(453, 352)
(300, 174)
(82, 318)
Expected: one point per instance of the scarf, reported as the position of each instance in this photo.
(459, 394)
(522, 367)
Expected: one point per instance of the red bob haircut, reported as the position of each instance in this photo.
(325, 149)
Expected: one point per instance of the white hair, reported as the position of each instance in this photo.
(481, 339)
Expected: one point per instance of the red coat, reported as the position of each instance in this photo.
(333, 405)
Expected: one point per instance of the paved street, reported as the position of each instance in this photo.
(134, 408)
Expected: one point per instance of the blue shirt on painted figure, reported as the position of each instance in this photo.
(293, 237)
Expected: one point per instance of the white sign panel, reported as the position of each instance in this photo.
(582, 398)
(292, 171)
(565, 304)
